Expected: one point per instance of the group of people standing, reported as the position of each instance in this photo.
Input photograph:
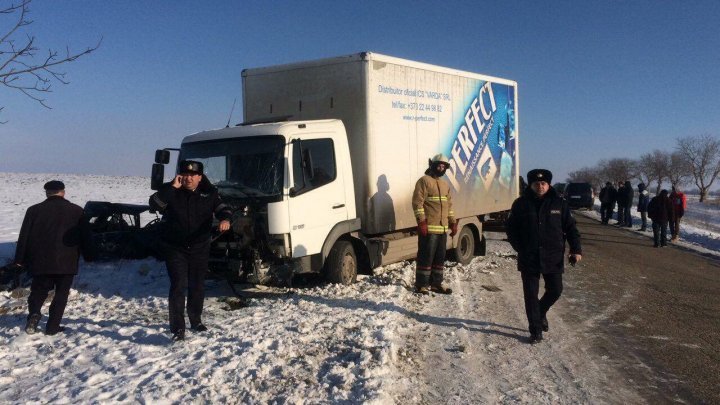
(538, 227)
(53, 235)
(622, 196)
(665, 210)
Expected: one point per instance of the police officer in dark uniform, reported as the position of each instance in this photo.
(539, 224)
(49, 246)
(188, 204)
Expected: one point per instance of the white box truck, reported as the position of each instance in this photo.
(321, 173)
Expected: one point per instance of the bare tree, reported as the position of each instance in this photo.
(617, 170)
(679, 170)
(586, 175)
(703, 155)
(653, 167)
(20, 67)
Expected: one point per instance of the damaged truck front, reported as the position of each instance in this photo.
(248, 166)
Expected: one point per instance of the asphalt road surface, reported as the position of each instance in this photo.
(655, 312)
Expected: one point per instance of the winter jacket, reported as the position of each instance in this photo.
(628, 195)
(51, 237)
(679, 203)
(432, 202)
(660, 208)
(620, 196)
(643, 198)
(608, 195)
(538, 228)
(188, 215)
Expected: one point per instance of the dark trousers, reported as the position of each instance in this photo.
(606, 211)
(660, 233)
(187, 268)
(643, 217)
(39, 290)
(620, 215)
(430, 260)
(535, 308)
(628, 216)
(675, 227)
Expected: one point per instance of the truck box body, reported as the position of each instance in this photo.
(397, 115)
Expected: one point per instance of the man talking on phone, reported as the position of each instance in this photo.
(188, 204)
(539, 224)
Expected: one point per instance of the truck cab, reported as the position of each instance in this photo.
(290, 186)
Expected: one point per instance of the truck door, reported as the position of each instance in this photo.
(317, 197)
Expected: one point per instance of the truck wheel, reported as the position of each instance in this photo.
(341, 265)
(465, 250)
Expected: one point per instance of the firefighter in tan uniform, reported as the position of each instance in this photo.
(432, 205)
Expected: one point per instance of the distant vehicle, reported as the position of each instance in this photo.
(580, 195)
(560, 188)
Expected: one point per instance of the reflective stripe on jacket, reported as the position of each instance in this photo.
(432, 202)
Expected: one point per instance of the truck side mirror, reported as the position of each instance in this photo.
(162, 156)
(157, 176)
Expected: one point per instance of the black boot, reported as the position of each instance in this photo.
(440, 289)
(535, 338)
(31, 326)
(199, 327)
(544, 324)
(52, 332)
(178, 335)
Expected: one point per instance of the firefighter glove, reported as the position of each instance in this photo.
(453, 228)
(423, 228)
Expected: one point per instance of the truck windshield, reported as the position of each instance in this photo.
(241, 167)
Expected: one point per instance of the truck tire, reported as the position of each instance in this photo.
(341, 263)
(465, 250)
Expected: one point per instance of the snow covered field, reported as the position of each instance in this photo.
(372, 342)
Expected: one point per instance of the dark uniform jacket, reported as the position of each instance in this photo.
(188, 215)
(537, 230)
(660, 209)
(628, 195)
(608, 195)
(50, 237)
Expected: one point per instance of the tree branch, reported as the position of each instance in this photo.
(18, 69)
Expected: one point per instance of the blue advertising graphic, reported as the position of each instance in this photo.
(482, 150)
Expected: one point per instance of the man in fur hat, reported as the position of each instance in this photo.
(539, 224)
(188, 204)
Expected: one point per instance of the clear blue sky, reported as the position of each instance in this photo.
(596, 80)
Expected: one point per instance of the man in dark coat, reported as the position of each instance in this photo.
(621, 196)
(661, 212)
(628, 199)
(539, 224)
(188, 204)
(608, 196)
(642, 206)
(49, 247)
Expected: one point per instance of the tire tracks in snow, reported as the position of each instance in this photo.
(470, 347)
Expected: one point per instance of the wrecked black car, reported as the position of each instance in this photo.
(115, 232)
